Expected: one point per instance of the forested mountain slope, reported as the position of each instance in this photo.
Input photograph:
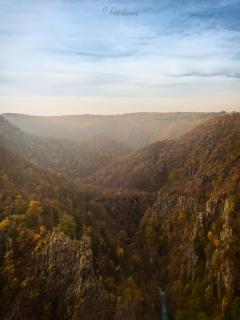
(205, 157)
(135, 130)
(74, 159)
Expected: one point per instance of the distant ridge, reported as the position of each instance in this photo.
(133, 129)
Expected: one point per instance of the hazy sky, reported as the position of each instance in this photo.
(76, 56)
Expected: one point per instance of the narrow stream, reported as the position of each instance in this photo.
(163, 310)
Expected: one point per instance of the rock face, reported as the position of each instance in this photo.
(202, 246)
(89, 295)
(64, 277)
(67, 270)
(224, 276)
(166, 202)
(201, 226)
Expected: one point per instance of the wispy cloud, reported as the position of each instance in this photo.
(93, 55)
(210, 74)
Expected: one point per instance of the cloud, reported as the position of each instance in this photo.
(93, 55)
(226, 74)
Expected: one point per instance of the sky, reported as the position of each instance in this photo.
(109, 57)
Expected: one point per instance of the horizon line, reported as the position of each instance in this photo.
(118, 114)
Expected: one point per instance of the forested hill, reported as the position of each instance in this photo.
(203, 158)
(135, 130)
(74, 159)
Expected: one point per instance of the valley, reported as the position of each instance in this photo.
(134, 217)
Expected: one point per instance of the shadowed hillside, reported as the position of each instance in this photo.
(74, 159)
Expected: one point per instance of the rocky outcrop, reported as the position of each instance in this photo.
(222, 271)
(205, 244)
(90, 297)
(65, 279)
(201, 226)
(166, 202)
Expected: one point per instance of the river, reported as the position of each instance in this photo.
(163, 311)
